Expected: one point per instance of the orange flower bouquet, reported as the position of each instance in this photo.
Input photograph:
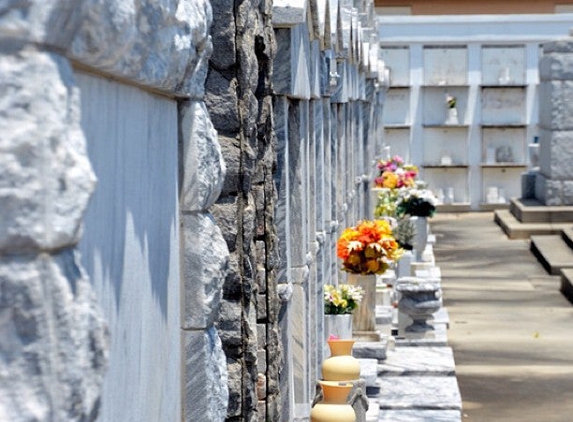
(368, 248)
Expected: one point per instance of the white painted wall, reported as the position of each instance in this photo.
(479, 48)
(130, 246)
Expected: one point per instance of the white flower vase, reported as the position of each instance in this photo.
(421, 237)
(337, 325)
(404, 265)
(452, 117)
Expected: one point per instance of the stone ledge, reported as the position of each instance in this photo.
(440, 338)
(419, 416)
(418, 361)
(423, 393)
(371, 350)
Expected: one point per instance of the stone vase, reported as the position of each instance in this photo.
(421, 237)
(419, 301)
(334, 406)
(364, 317)
(341, 365)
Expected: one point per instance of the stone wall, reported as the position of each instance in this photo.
(238, 97)
(554, 182)
(135, 73)
(297, 120)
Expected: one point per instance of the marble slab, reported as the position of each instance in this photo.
(384, 315)
(419, 416)
(418, 361)
(369, 371)
(371, 350)
(419, 392)
(439, 337)
(442, 317)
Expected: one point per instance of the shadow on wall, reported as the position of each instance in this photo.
(130, 245)
(135, 200)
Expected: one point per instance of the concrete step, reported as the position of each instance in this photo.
(567, 283)
(518, 230)
(532, 211)
(552, 252)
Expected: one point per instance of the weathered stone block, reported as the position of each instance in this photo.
(235, 371)
(203, 165)
(261, 307)
(556, 67)
(221, 100)
(206, 391)
(560, 46)
(225, 213)
(164, 46)
(224, 29)
(203, 274)
(53, 340)
(51, 23)
(288, 13)
(229, 323)
(557, 112)
(45, 176)
(556, 154)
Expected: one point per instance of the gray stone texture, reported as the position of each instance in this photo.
(202, 162)
(239, 103)
(160, 45)
(45, 175)
(206, 379)
(555, 179)
(203, 273)
(53, 342)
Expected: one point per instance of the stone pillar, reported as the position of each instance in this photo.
(554, 182)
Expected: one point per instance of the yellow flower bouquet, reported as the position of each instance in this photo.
(341, 300)
(368, 248)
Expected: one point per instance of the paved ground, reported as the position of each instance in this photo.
(510, 328)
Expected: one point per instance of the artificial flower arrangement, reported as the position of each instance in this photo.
(368, 248)
(395, 174)
(342, 299)
(386, 203)
(451, 101)
(416, 202)
(405, 232)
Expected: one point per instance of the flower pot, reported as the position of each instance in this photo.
(421, 238)
(364, 317)
(341, 365)
(334, 407)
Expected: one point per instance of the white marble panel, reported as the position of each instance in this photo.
(412, 361)
(419, 416)
(419, 392)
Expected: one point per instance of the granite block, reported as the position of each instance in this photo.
(419, 392)
(418, 361)
(419, 416)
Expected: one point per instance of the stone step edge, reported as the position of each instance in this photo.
(514, 229)
(550, 251)
(567, 284)
(532, 211)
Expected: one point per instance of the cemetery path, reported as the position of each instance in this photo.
(510, 328)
